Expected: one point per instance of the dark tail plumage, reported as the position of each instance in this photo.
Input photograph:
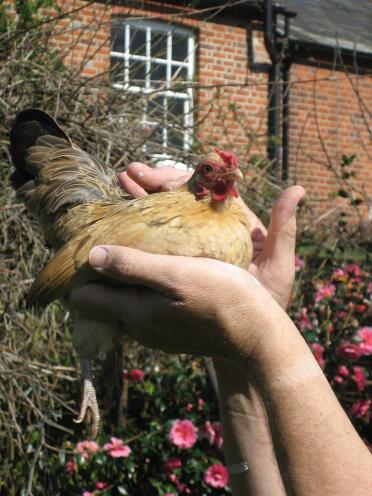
(55, 179)
(30, 125)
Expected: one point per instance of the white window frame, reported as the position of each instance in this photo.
(186, 95)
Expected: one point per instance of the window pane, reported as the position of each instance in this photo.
(157, 135)
(179, 73)
(137, 41)
(137, 71)
(158, 72)
(155, 109)
(117, 70)
(158, 45)
(155, 141)
(175, 137)
(176, 110)
(179, 47)
(117, 37)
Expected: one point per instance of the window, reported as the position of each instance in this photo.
(157, 59)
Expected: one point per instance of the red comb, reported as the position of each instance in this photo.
(229, 158)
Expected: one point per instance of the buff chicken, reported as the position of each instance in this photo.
(79, 204)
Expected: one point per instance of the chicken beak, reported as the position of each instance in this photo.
(235, 175)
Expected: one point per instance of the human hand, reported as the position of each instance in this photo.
(179, 304)
(273, 261)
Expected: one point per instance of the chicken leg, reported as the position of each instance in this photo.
(89, 400)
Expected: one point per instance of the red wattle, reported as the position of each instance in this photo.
(219, 196)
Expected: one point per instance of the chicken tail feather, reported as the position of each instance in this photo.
(30, 125)
(58, 278)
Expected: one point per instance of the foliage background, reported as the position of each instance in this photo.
(38, 391)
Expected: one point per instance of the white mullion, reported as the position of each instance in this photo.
(168, 79)
(189, 118)
(191, 57)
(154, 59)
(165, 128)
(186, 109)
(169, 60)
(118, 55)
(126, 55)
(148, 57)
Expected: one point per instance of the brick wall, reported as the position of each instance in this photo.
(330, 113)
(330, 116)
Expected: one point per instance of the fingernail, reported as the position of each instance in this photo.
(98, 256)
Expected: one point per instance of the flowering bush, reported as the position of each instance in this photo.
(170, 442)
(333, 310)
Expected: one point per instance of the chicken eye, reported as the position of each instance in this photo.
(207, 168)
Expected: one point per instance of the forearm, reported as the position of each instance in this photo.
(246, 434)
(317, 448)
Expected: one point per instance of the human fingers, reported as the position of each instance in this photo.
(281, 236)
(129, 266)
(130, 186)
(156, 179)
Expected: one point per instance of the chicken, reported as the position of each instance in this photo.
(79, 204)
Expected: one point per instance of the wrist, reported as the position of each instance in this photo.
(283, 360)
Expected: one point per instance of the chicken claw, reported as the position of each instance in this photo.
(89, 400)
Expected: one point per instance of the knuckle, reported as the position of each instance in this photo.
(134, 165)
(124, 266)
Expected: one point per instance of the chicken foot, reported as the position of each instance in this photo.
(89, 400)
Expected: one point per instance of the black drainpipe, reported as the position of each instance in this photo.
(286, 76)
(273, 123)
(278, 48)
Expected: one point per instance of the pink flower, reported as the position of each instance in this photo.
(189, 407)
(86, 447)
(117, 449)
(70, 466)
(181, 487)
(365, 333)
(361, 408)
(172, 463)
(353, 269)
(101, 485)
(135, 375)
(200, 403)
(299, 263)
(351, 351)
(183, 434)
(326, 291)
(360, 308)
(340, 275)
(359, 378)
(318, 351)
(88, 493)
(216, 476)
(213, 432)
(338, 378)
(302, 320)
(340, 314)
(342, 370)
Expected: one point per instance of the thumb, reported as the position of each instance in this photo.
(281, 235)
(130, 266)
